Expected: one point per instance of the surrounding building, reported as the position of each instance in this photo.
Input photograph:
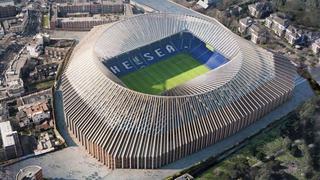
(258, 34)
(44, 72)
(56, 52)
(18, 24)
(260, 9)
(234, 11)
(115, 6)
(84, 23)
(269, 21)
(15, 88)
(312, 35)
(33, 114)
(294, 35)
(22, 119)
(277, 24)
(280, 25)
(316, 46)
(291, 35)
(205, 3)
(7, 9)
(124, 128)
(46, 143)
(58, 49)
(244, 24)
(10, 141)
(36, 113)
(46, 125)
(2, 32)
(30, 173)
(84, 16)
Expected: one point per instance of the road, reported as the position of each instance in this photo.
(77, 35)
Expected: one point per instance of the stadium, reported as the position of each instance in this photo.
(151, 89)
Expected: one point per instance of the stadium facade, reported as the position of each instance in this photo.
(124, 128)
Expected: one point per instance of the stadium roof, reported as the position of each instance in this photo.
(128, 129)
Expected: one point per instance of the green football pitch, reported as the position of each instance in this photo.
(164, 75)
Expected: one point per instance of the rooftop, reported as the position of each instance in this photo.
(246, 20)
(93, 18)
(7, 134)
(60, 43)
(15, 83)
(6, 3)
(293, 31)
(28, 172)
(280, 20)
(93, 3)
(37, 40)
(35, 109)
(258, 29)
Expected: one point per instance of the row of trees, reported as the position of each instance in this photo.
(302, 12)
(300, 130)
(294, 4)
(271, 170)
(305, 126)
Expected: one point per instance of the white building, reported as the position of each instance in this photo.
(5, 3)
(269, 21)
(10, 141)
(277, 24)
(37, 112)
(316, 46)
(35, 48)
(258, 34)
(1, 31)
(292, 35)
(205, 3)
(260, 9)
(244, 24)
(15, 88)
(30, 172)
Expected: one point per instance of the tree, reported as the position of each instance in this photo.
(278, 3)
(281, 175)
(274, 165)
(221, 175)
(309, 173)
(312, 4)
(240, 168)
(261, 156)
(295, 151)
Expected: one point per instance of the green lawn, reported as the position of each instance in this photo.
(45, 21)
(164, 75)
(42, 85)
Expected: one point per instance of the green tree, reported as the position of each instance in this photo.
(295, 151)
(261, 156)
(312, 4)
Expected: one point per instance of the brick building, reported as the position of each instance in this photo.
(92, 8)
(7, 8)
